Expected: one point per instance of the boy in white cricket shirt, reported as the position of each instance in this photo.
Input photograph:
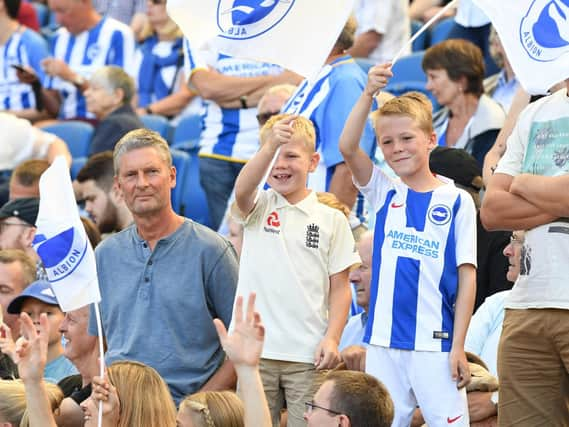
(296, 257)
(424, 260)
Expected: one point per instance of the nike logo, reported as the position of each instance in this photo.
(394, 205)
(452, 420)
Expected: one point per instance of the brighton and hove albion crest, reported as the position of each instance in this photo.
(439, 214)
(544, 30)
(62, 253)
(245, 19)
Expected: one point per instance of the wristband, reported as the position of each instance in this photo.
(243, 100)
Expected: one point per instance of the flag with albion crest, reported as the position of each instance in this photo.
(535, 35)
(295, 34)
(61, 241)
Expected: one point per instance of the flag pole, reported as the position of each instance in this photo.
(101, 358)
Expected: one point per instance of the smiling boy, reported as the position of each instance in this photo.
(296, 256)
(423, 274)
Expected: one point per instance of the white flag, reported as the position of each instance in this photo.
(535, 35)
(61, 241)
(295, 34)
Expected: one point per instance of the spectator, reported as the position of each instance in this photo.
(503, 85)
(18, 230)
(128, 11)
(13, 404)
(25, 179)
(212, 408)
(423, 10)
(17, 271)
(327, 103)
(424, 255)
(19, 47)
(103, 201)
(36, 299)
(109, 97)
(231, 88)
(469, 119)
(382, 31)
(319, 251)
(85, 43)
(163, 267)
(273, 101)
(159, 64)
(529, 191)
(93, 233)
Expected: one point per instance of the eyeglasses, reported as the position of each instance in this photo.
(3, 225)
(263, 118)
(158, 1)
(311, 405)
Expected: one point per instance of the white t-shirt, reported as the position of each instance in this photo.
(289, 253)
(539, 145)
(470, 15)
(388, 18)
(21, 141)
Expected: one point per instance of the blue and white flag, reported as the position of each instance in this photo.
(535, 35)
(61, 241)
(295, 34)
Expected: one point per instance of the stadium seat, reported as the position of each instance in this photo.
(365, 64)
(76, 164)
(194, 203)
(76, 134)
(422, 42)
(156, 123)
(441, 30)
(408, 69)
(42, 12)
(180, 160)
(188, 129)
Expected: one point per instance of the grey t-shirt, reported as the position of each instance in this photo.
(158, 306)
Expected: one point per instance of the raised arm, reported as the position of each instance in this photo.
(244, 347)
(357, 160)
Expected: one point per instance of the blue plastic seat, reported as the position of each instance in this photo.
(422, 42)
(76, 164)
(42, 13)
(194, 202)
(156, 123)
(76, 134)
(441, 30)
(180, 160)
(189, 128)
(408, 69)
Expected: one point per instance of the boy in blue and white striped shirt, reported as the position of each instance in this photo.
(424, 260)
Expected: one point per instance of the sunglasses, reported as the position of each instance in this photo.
(264, 117)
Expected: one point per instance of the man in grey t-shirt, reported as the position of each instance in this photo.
(165, 278)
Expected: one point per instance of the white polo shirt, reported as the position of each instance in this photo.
(289, 253)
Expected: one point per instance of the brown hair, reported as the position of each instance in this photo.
(411, 104)
(28, 173)
(99, 168)
(362, 398)
(145, 400)
(459, 58)
(214, 409)
(302, 127)
(93, 233)
(29, 272)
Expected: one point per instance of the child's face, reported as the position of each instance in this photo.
(34, 308)
(291, 169)
(405, 146)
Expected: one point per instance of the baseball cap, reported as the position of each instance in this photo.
(456, 164)
(26, 209)
(40, 290)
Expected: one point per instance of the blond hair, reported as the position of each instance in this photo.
(411, 104)
(214, 409)
(330, 199)
(301, 126)
(13, 407)
(145, 400)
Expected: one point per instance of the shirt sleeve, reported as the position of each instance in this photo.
(193, 59)
(479, 329)
(36, 50)
(221, 285)
(465, 231)
(376, 189)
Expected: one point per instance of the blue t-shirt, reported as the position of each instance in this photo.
(58, 369)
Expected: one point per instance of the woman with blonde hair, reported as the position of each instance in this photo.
(211, 409)
(13, 406)
(135, 395)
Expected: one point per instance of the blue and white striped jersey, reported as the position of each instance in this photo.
(328, 103)
(158, 67)
(26, 48)
(228, 134)
(420, 241)
(110, 42)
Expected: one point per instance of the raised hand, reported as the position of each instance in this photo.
(7, 344)
(245, 344)
(282, 131)
(31, 348)
(102, 391)
(377, 78)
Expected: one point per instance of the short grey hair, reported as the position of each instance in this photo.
(141, 138)
(113, 78)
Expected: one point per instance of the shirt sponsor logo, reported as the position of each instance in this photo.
(273, 223)
(544, 30)
(413, 243)
(246, 19)
(439, 214)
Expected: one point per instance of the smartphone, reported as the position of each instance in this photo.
(21, 69)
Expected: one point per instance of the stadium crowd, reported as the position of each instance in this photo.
(381, 246)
